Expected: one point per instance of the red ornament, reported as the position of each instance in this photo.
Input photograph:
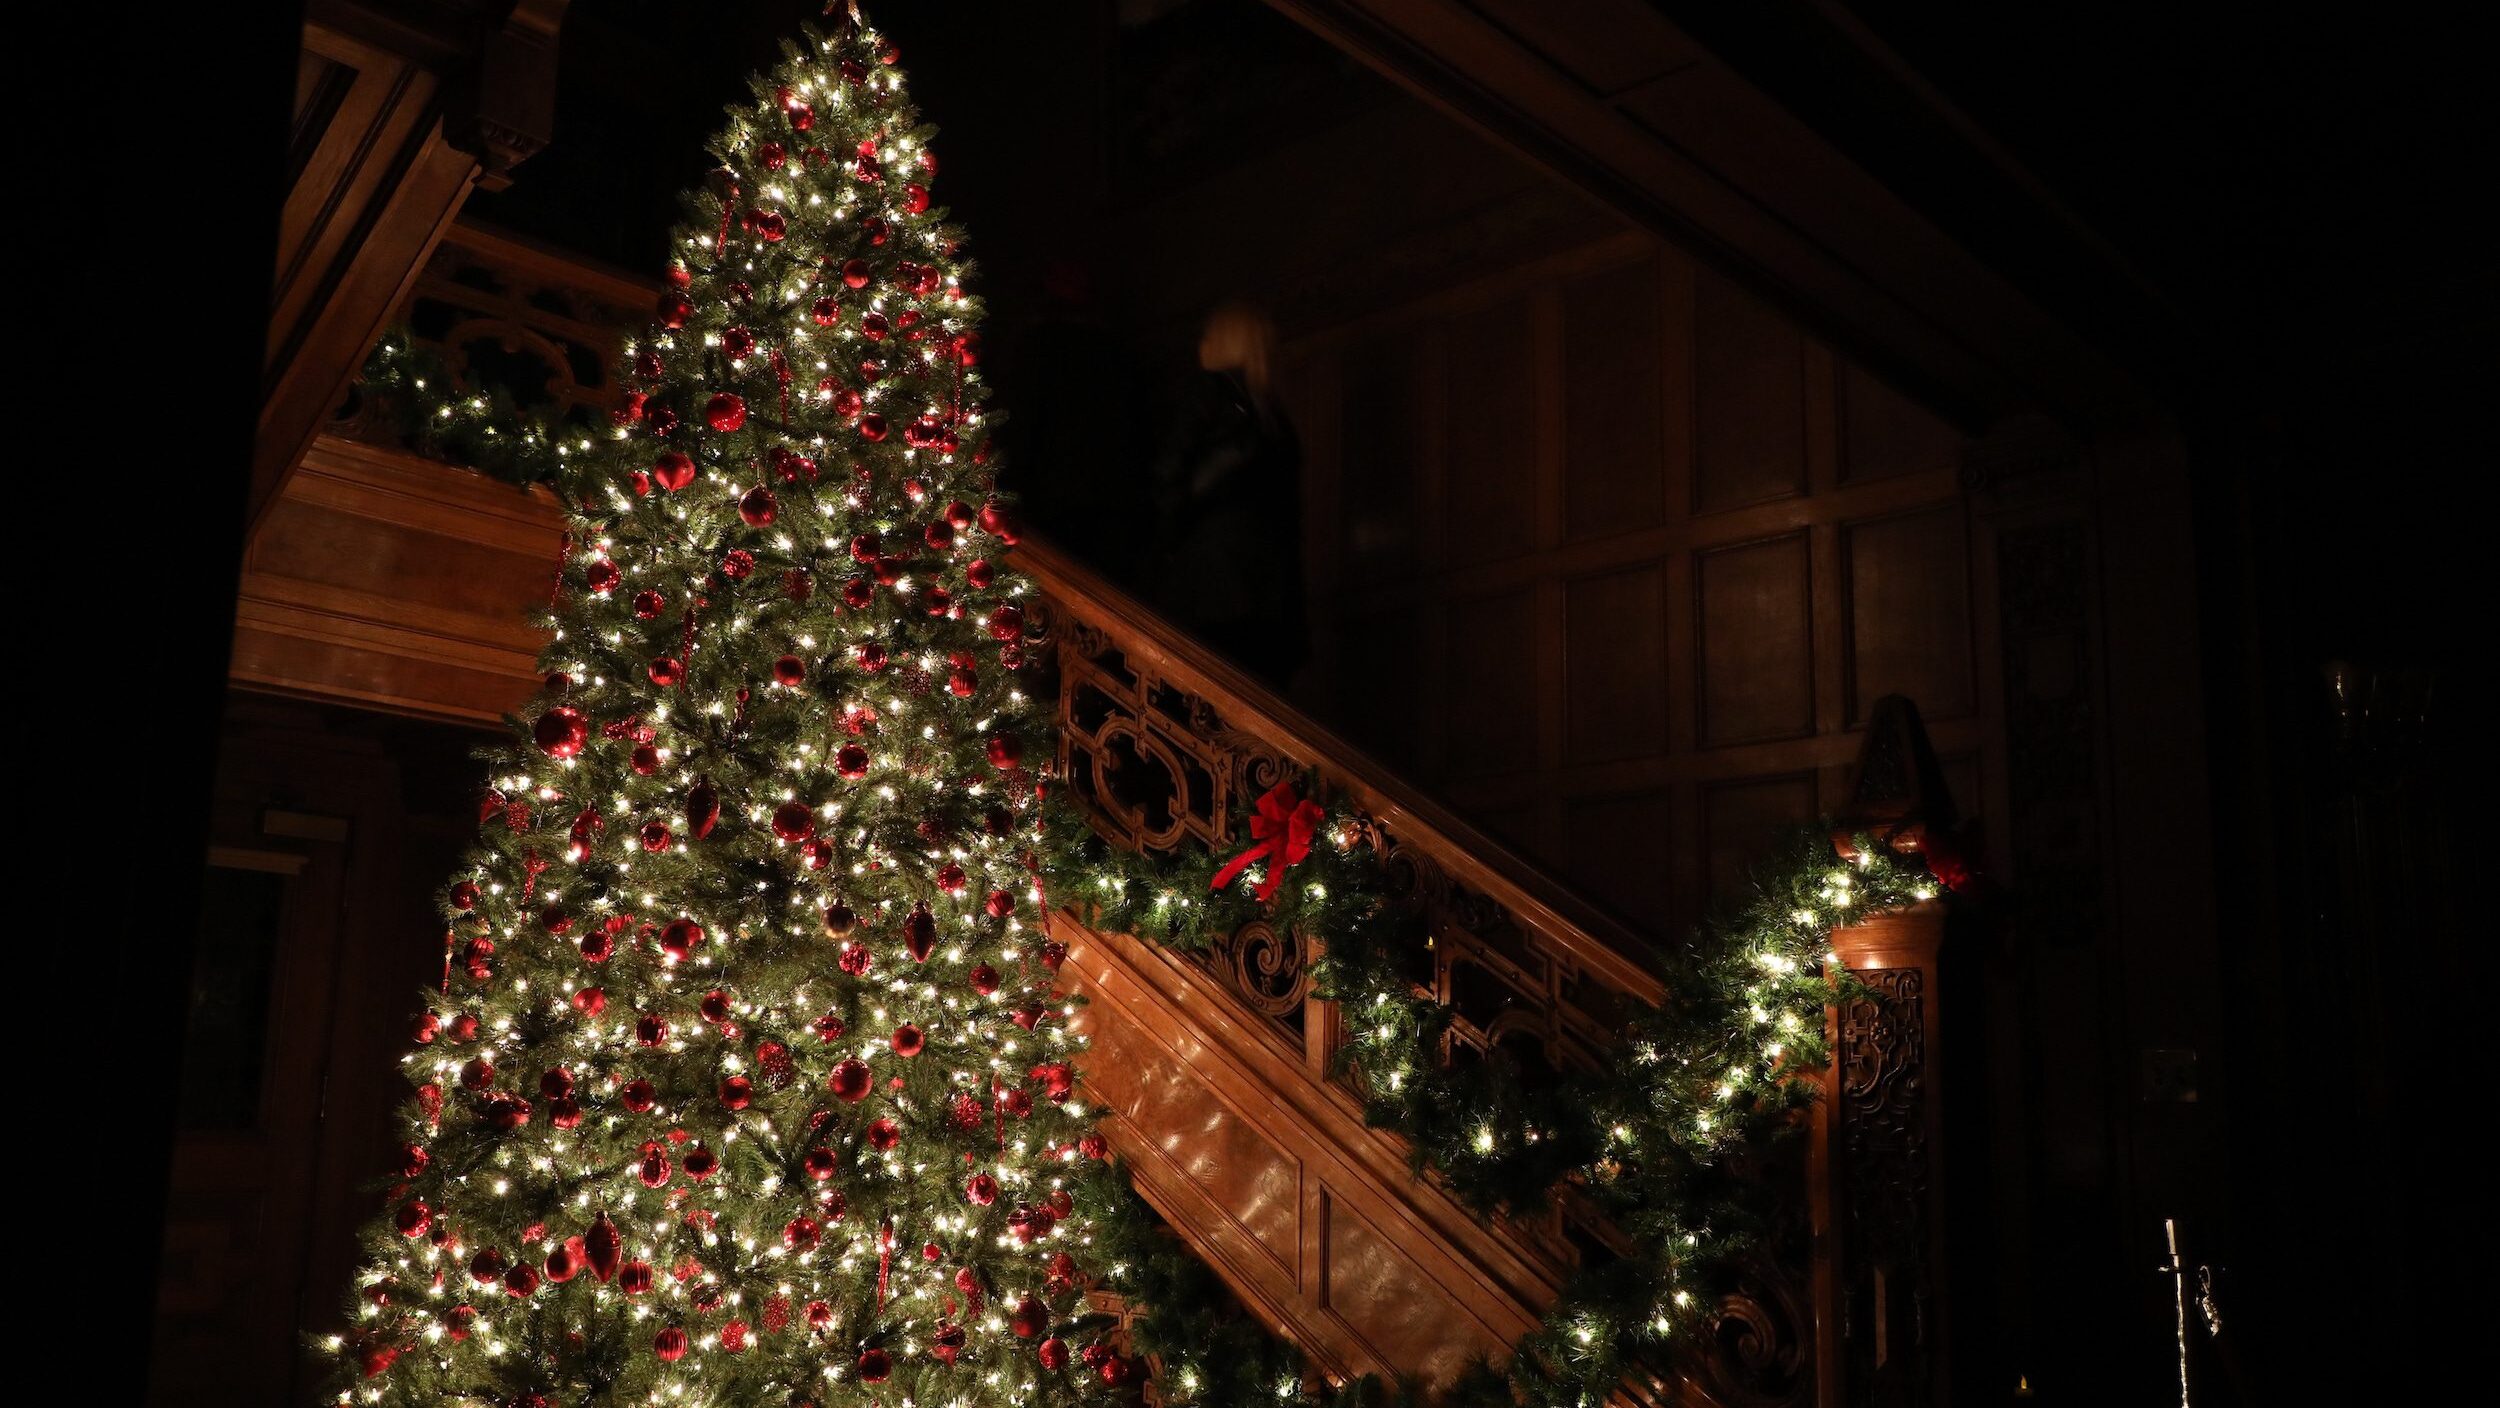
(884, 1134)
(669, 1344)
(681, 938)
(737, 564)
(984, 979)
(413, 1218)
(821, 1164)
(487, 1267)
(668, 672)
(920, 933)
(756, 507)
(799, 1234)
(702, 809)
(634, 1278)
(737, 1092)
(980, 573)
(872, 428)
(561, 732)
(520, 1282)
(602, 576)
(737, 342)
(645, 760)
(851, 761)
(1053, 1353)
(464, 896)
(639, 1094)
(701, 1162)
(673, 470)
(675, 308)
(1006, 623)
(794, 822)
(655, 838)
(982, 1190)
(826, 311)
(789, 672)
(1029, 1318)
(725, 412)
(875, 1365)
(908, 1040)
(999, 905)
(840, 921)
(952, 879)
(851, 1080)
(1005, 752)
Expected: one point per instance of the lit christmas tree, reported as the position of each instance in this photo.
(746, 1083)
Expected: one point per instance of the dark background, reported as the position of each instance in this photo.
(2296, 270)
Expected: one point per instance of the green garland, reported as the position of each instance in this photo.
(1658, 1143)
(484, 428)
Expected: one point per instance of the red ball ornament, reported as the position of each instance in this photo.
(1029, 1318)
(520, 1282)
(656, 837)
(851, 1081)
(981, 1191)
(821, 1164)
(737, 1092)
(819, 1314)
(425, 1029)
(984, 979)
(487, 1267)
(839, 920)
(756, 507)
(675, 308)
(1094, 1146)
(668, 672)
(564, 1114)
(851, 761)
(737, 564)
(634, 1278)
(908, 1040)
(413, 1218)
(701, 1162)
(1053, 1353)
(464, 896)
(884, 1134)
(602, 576)
(875, 1365)
(477, 1074)
(826, 311)
(669, 1344)
(655, 1170)
(561, 732)
(1005, 752)
(645, 760)
(952, 879)
(855, 273)
(651, 1029)
(874, 327)
(794, 822)
(946, 1343)
(769, 226)
(725, 412)
(673, 470)
(980, 574)
(648, 605)
(872, 428)
(1006, 623)
(590, 1002)
(789, 672)
(799, 1234)
(639, 1096)
(999, 905)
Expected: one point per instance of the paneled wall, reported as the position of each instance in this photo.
(1616, 559)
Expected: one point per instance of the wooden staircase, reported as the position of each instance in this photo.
(388, 581)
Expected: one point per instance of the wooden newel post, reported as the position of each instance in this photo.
(1877, 1178)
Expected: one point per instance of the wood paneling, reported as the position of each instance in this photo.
(1380, 460)
(1615, 628)
(1909, 612)
(1489, 424)
(1614, 850)
(1754, 610)
(1668, 608)
(1613, 435)
(1491, 697)
(1749, 400)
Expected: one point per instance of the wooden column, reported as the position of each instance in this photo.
(400, 112)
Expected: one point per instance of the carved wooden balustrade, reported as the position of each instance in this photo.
(1216, 1065)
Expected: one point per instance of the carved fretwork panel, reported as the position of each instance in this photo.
(1888, 1296)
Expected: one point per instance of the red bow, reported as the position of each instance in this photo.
(1283, 825)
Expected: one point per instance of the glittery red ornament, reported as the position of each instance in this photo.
(915, 198)
(725, 412)
(799, 1234)
(851, 1080)
(425, 1029)
(1006, 623)
(827, 311)
(981, 1190)
(1094, 1146)
(464, 895)
(602, 576)
(656, 837)
(980, 574)
(673, 470)
(487, 1267)
(413, 1218)
(952, 879)
(561, 732)
(1053, 1353)
(648, 605)
(757, 507)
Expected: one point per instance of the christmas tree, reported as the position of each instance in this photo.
(745, 1082)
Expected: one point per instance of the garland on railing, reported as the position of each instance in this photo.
(485, 429)
(1652, 1141)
